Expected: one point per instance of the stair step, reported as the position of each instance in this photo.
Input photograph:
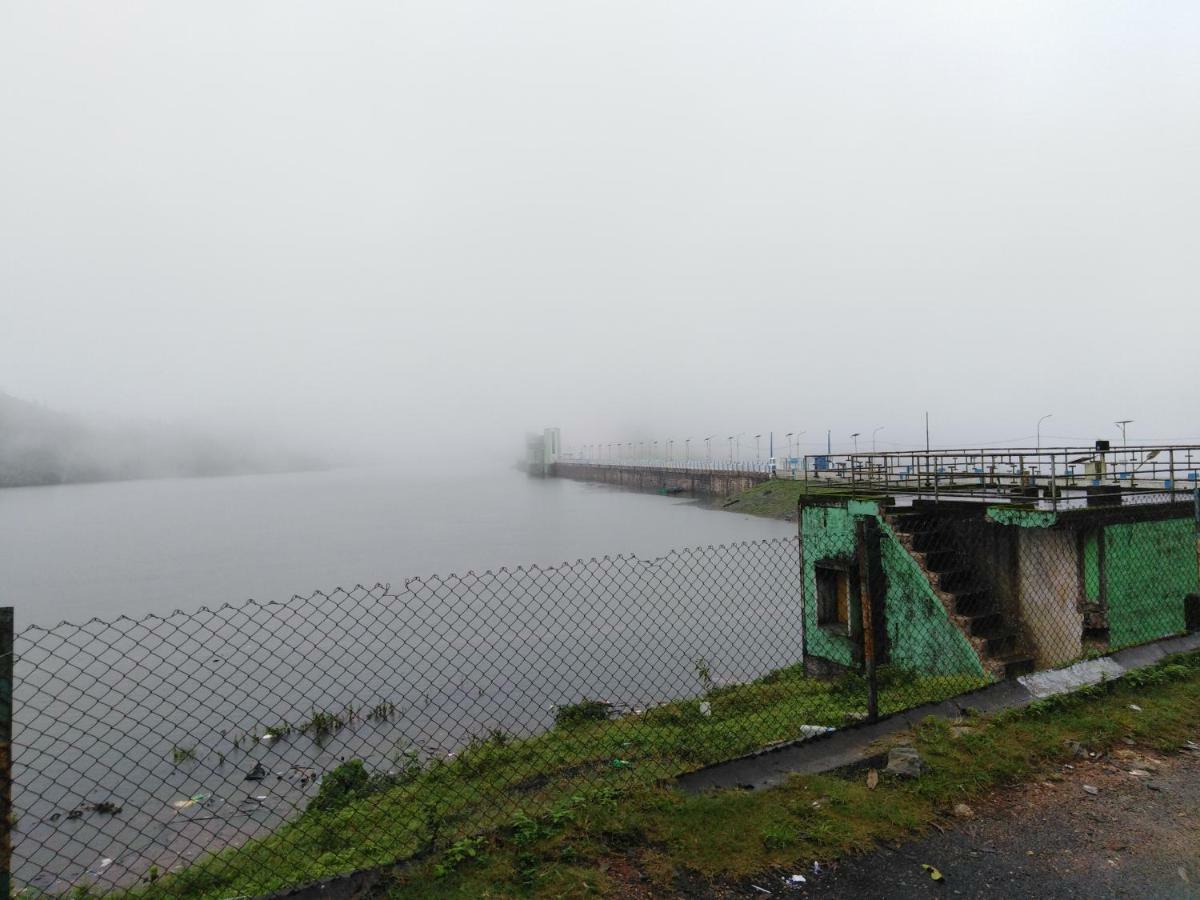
(925, 541)
(985, 624)
(973, 602)
(956, 580)
(908, 521)
(942, 560)
(1015, 665)
(1000, 643)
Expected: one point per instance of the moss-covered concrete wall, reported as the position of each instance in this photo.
(920, 633)
(1149, 567)
(827, 532)
(1084, 570)
(921, 636)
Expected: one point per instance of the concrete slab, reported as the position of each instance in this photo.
(845, 747)
(1072, 678)
(1004, 695)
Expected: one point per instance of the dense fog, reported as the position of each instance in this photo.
(416, 231)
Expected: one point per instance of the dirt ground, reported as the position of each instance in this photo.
(1123, 825)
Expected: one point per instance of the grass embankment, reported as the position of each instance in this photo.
(777, 499)
(600, 842)
(534, 789)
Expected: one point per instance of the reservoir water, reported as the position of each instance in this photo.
(165, 715)
(75, 552)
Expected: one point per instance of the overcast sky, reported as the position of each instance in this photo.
(380, 225)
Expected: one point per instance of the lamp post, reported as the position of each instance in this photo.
(873, 433)
(757, 447)
(789, 437)
(687, 451)
(1039, 430)
(1121, 424)
(854, 437)
(1124, 443)
(731, 449)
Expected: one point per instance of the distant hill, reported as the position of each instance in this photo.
(39, 446)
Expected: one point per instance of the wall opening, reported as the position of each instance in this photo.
(833, 598)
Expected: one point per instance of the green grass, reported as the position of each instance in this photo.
(363, 819)
(584, 844)
(777, 499)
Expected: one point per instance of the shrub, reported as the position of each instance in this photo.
(341, 786)
(581, 713)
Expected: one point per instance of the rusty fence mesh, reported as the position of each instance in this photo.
(235, 751)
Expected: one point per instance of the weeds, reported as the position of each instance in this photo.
(456, 854)
(581, 713)
(323, 724)
(381, 712)
(704, 674)
(180, 755)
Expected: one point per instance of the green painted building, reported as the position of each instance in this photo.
(957, 586)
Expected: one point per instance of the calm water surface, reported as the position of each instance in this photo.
(102, 707)
(78, 551)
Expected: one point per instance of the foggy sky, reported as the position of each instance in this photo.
(395, 228)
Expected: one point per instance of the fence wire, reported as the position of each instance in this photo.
(236, 751)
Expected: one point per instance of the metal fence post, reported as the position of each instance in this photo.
(6, 711)
(865, 602)
(1196, 514)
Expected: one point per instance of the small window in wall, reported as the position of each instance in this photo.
(833, 598)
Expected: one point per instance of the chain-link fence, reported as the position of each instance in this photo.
(233, 751)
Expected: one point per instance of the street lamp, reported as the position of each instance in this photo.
(757, 447)
(873, 433)
(708, 447)
(1039, 430)
(854, 437)
(687, 450)
(1121, 424)
(731, 448)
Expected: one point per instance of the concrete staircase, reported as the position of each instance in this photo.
(964, 592)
